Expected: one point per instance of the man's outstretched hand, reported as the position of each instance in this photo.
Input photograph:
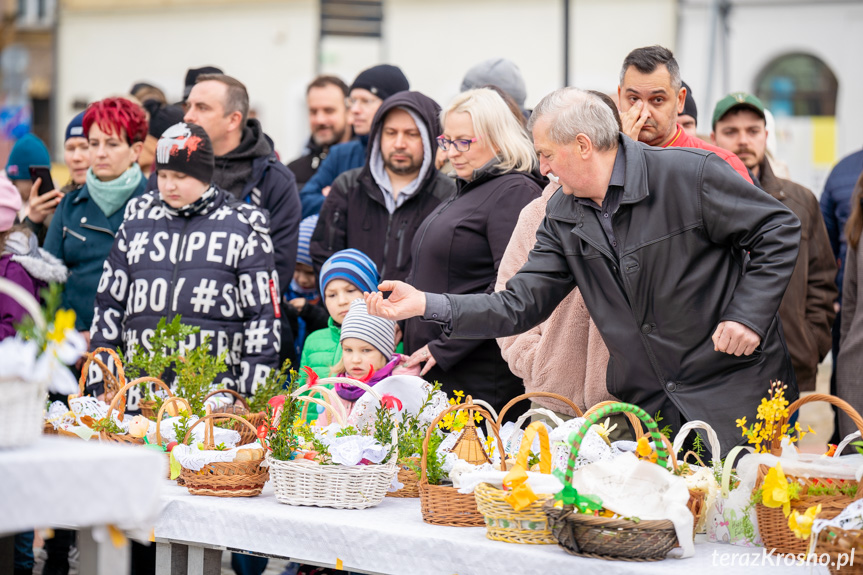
(404, 302)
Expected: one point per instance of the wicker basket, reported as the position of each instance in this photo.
(838, 544)
(772, 523)
(443, 504)
(112, 384)
(256, 419)
(503, 522)
(225, 479)
(602, 537)
(23, 405)
(118, 403)
(407, 477)
(304, 482)
(529, 525)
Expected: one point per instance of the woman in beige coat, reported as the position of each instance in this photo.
(565, 353)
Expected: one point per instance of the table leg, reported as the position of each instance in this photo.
(204, 561)
(171, 558)
(104, 559)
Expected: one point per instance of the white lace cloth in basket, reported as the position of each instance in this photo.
(191, 457)
(593, 447)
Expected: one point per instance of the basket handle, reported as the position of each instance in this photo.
(25, 300)
(229, 392)
(531, 395)
(538, 411)
(658, 443)
(330, 402)
(109, 380)
(119, 401)
(845, 441)
(729, 464)
(831, 399)
(467, 405)
(637, 428)
(161, 414)
(212, 416)
(532, 430)
(712, 439)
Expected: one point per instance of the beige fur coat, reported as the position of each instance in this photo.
(565, 354)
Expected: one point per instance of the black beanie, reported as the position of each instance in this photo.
(186, 148)
(162, 117)
(689, 108)
(383, 81)
(192, 77)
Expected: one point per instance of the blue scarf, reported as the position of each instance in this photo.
(113, 195)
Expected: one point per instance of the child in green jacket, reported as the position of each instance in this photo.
(344, 278)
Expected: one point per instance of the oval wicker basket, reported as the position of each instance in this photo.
(304, 482)
(603, 537)
(225, 479)
(772, 523)
(159, 416)
(443, 504)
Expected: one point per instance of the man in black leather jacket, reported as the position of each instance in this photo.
(658, 241)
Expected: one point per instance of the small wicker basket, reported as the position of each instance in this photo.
(256, 419)
(443, 504)
(603, 537)
(118, 403)
(529, 525)
(304, 482)
(225, 479)
(23, 404)
(112, 384)
(772, 523)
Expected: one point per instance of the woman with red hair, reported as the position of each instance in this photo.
(83, 228)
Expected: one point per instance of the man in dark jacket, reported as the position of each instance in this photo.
(326, 98)
(377, 208)
(807, 313)
(655, 240)
(368, 92)
(246, 165)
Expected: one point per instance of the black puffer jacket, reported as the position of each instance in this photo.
(457, 250)
(685, 221)
(214, 268)
(354, 214)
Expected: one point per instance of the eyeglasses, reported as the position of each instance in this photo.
(460, 145)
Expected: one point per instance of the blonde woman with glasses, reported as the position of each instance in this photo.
(459, 246)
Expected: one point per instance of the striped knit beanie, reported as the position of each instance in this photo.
(379, 332)
(354, 267)
(307, 226)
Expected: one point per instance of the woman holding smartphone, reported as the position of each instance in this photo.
(82, 230)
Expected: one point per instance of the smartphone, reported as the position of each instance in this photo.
(43, 172)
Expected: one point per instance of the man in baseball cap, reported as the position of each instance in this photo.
(806, 311)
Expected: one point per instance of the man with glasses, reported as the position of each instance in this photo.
(377, 208)
(368, 92)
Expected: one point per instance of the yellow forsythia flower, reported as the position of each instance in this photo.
(65, 319)
(776, 491)
(801, 525)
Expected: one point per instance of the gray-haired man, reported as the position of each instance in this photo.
(656, 240)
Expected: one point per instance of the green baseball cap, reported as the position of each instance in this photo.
(737, 100)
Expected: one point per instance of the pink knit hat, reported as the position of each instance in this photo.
(10, 203)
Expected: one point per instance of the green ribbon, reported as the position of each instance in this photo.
(569, 496)
(154, 446)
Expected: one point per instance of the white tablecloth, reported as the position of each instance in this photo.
(66, 482)
(392, 538)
